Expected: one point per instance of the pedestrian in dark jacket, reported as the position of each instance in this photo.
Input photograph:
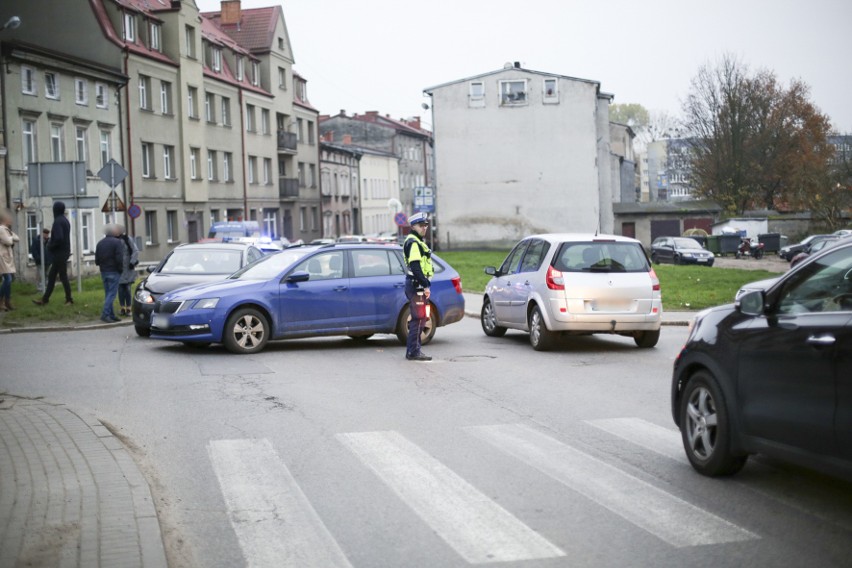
(60, 248)
(36, 247)
(109, 256)
(128, 271)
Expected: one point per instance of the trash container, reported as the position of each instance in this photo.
(771, 241)
(728, 244)
(713, 244)
(700, 239)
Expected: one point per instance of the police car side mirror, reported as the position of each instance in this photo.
(491, 271)
(298, 277)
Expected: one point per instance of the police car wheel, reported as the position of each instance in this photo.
(428, 329)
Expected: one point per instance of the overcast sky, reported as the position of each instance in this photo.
(381, 54)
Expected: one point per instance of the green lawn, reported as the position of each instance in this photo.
(86, 309)
(683, 287)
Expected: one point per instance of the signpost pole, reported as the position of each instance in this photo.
(39, 228)
(78, 229)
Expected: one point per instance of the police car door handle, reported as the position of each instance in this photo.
(340, 288)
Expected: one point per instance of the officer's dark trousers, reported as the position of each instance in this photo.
(415, 326)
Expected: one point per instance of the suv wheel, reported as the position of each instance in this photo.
(646, 339)
(489, 320)
(706, 428)
(428, 328)
(541, 338)
(246, 331)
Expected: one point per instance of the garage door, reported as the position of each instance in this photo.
(665, 229)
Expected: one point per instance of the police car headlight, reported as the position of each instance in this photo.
(205, 304)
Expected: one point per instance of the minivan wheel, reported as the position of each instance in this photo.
(246, 331)
(646, 339)
(428, 329)
(706, 428)
(489, 320)
(541, 338)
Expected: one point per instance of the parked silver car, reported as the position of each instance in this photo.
(574, 284)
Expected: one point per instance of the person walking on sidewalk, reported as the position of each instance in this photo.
(418, 271)
(128, 272)
(36, 247)
(109, 256)
(60, 248)
(7, 260)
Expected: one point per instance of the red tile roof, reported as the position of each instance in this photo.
(256, 30)
(391, 122)
(147, 7)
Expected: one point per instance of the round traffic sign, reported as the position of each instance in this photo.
(134, 211)
(400, 219)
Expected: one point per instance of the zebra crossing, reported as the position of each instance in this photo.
(276, 525)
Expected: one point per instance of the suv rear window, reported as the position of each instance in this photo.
(601, 257)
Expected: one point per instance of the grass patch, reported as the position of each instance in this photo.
(683, 287)
(87, 306)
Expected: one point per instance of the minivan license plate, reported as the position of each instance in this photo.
(610, 306)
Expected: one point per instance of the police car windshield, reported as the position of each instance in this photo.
(271, 266)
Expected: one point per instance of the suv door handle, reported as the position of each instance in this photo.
(821, 340)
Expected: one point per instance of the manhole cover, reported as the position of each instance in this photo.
(471, 358)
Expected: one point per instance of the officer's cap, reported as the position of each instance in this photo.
(419, 218)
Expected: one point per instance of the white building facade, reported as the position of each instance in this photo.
(520, 152)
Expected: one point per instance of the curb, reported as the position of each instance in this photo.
(674, 323)
(63, 327)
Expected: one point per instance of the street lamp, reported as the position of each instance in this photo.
(12, 24)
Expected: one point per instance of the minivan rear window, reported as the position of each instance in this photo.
(601, 257)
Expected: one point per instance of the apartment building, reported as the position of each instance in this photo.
(339, 185)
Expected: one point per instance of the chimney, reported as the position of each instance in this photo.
(373, 113)
(414, 121)
(517, 64)
(231, 12)
(328, 136)
(347, 139)
(342, 112)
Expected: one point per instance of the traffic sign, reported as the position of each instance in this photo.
(112, 173)
(400, 219)
(134, 211)
(113, 203)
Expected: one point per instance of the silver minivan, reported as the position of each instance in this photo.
(574, 284)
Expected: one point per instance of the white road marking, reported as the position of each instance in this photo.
(670, 518)
(274, 522)
(663, 441)
(477, 528)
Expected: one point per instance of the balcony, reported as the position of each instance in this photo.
(288, 187)
(287, 142)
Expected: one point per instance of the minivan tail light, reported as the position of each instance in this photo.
(655, 282)
(457, 284)
(554, 279)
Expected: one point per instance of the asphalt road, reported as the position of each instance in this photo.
(337, 453)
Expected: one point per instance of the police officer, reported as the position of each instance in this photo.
(418, 263)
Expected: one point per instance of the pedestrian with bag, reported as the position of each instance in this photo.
(109, 256)
(36, 247)
(60, 247)
(7, 261)
(418, 271)
(128, 272)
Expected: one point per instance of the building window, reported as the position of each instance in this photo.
(32, 229)
(300, 130)
(312, 170)
(147, 166)
(311, 133)
(217, 59)
(56, 143)
(51, 86)
(513, 93)
(282, 78)
(303, 214)
(477, 90)
(264, 121)
(255, 73)
(101, 95)
(87, 222)
(301, 174)
(28, 129)
(168, 160)
(144, 90)
(154, 36)
(214, 216)
(314, 218)
(82, 146)
(550, 93)
(150, 227)
(28, 86)
(189, 36)
(211, 165)
(105, 147)
(129, 27)
(226, 111)
(171, 226)
(192, 102)
(166, 97)
(281, 43)
(240, 68)
(270, 222)
(252, 169)
(194, 158)
(209, 107)
(227, 162)
(267, 171)
(81, 94)
(250, 124)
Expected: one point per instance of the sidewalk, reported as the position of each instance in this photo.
(70, 493)
(473, 306)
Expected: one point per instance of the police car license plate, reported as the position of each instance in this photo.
(160, 321)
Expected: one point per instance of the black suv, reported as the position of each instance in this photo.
(772, 373)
